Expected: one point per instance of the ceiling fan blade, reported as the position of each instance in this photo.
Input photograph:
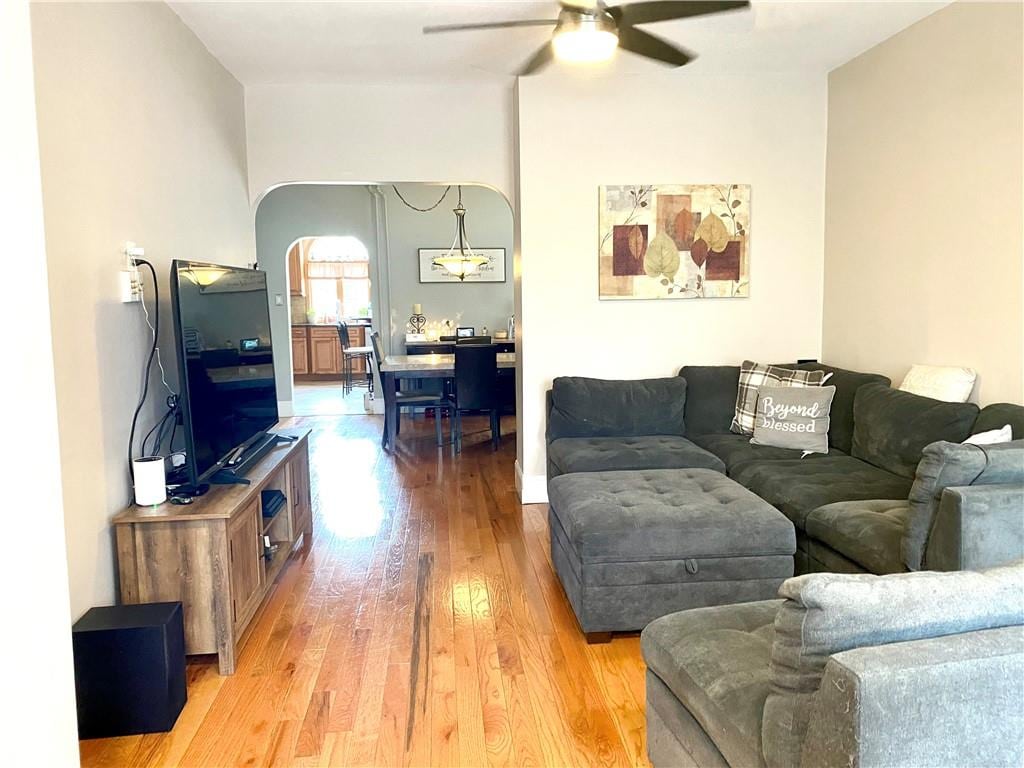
(665, 10)
(638, 41)
(538, 61)
(489, 25)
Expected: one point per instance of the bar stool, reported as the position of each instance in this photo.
(348, 355)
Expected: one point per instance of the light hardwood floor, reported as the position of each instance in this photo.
(425, 627)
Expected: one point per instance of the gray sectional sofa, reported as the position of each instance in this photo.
(845, 670)
(663, 519)
(850, 508)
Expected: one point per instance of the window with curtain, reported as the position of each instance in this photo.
(337, 274)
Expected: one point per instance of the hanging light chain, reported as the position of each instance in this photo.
(427, 210)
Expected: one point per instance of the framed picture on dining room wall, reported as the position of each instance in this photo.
(491, 272)
(674, 241)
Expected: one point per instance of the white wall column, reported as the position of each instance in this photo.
(39, 724)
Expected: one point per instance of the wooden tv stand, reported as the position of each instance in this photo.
(209, 554)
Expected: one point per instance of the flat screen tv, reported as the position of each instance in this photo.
(228, 397)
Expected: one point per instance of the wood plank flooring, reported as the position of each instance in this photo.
(425, 627)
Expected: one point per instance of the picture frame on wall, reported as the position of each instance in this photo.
(674, 241)
(491, 272)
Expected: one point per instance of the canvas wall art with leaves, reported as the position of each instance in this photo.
(678, 241)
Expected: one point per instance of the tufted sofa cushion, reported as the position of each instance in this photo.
(867, 532)
(736, 450)
(595, 454)
(665, 514)
(796, 487)
(716, 662)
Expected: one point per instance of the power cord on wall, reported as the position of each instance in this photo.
(154, 353)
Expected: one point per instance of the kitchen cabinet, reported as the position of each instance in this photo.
(324, 351)
(296, 283)
(316, 352)
(300, 352)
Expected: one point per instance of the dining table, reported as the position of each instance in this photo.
(432, 366)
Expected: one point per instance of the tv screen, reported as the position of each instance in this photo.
(226, 366)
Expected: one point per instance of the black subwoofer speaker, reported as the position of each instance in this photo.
(129, 669)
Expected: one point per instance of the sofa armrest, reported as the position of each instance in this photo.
(977, 526)
(952, 700)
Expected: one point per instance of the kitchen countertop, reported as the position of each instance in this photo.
(329, 325)
(494, 340)
(405, 363)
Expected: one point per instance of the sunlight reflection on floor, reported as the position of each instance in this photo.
(349, 497)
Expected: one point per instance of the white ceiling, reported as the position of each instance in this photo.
(381, 40)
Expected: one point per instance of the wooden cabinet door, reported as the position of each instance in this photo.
(300, 352)
(296, 285)
(324, 351)
(245, 562)
(301, 501)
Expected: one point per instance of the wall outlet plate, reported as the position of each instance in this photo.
(130, 288)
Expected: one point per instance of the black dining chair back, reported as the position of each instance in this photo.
(476, 377)
(343, 336)
(473, 340)
(378, 356)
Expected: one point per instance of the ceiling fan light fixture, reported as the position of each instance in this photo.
(585, 38)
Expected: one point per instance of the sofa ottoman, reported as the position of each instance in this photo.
(630, 546)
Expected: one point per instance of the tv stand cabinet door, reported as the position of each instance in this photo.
(245, 565)
(179, 561)
(301, 503)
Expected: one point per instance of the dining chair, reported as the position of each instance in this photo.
(350, 354)
(439, 402)
(476, 387)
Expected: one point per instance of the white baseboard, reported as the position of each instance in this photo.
(285, 409)
(532, 489)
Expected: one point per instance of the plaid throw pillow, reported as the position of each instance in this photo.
(754, 375)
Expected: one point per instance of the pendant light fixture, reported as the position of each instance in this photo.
(460, 259)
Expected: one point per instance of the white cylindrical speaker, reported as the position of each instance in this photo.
(150, 483)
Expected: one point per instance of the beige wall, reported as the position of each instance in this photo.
(142, 138)
(578, 133)
(379, 132)
(38, 725)
(923, 244)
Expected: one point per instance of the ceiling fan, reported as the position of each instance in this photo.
(591, 31)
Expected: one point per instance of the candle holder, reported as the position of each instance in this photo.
(418, 322)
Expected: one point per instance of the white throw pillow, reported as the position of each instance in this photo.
(991, 437)
(940, 382)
